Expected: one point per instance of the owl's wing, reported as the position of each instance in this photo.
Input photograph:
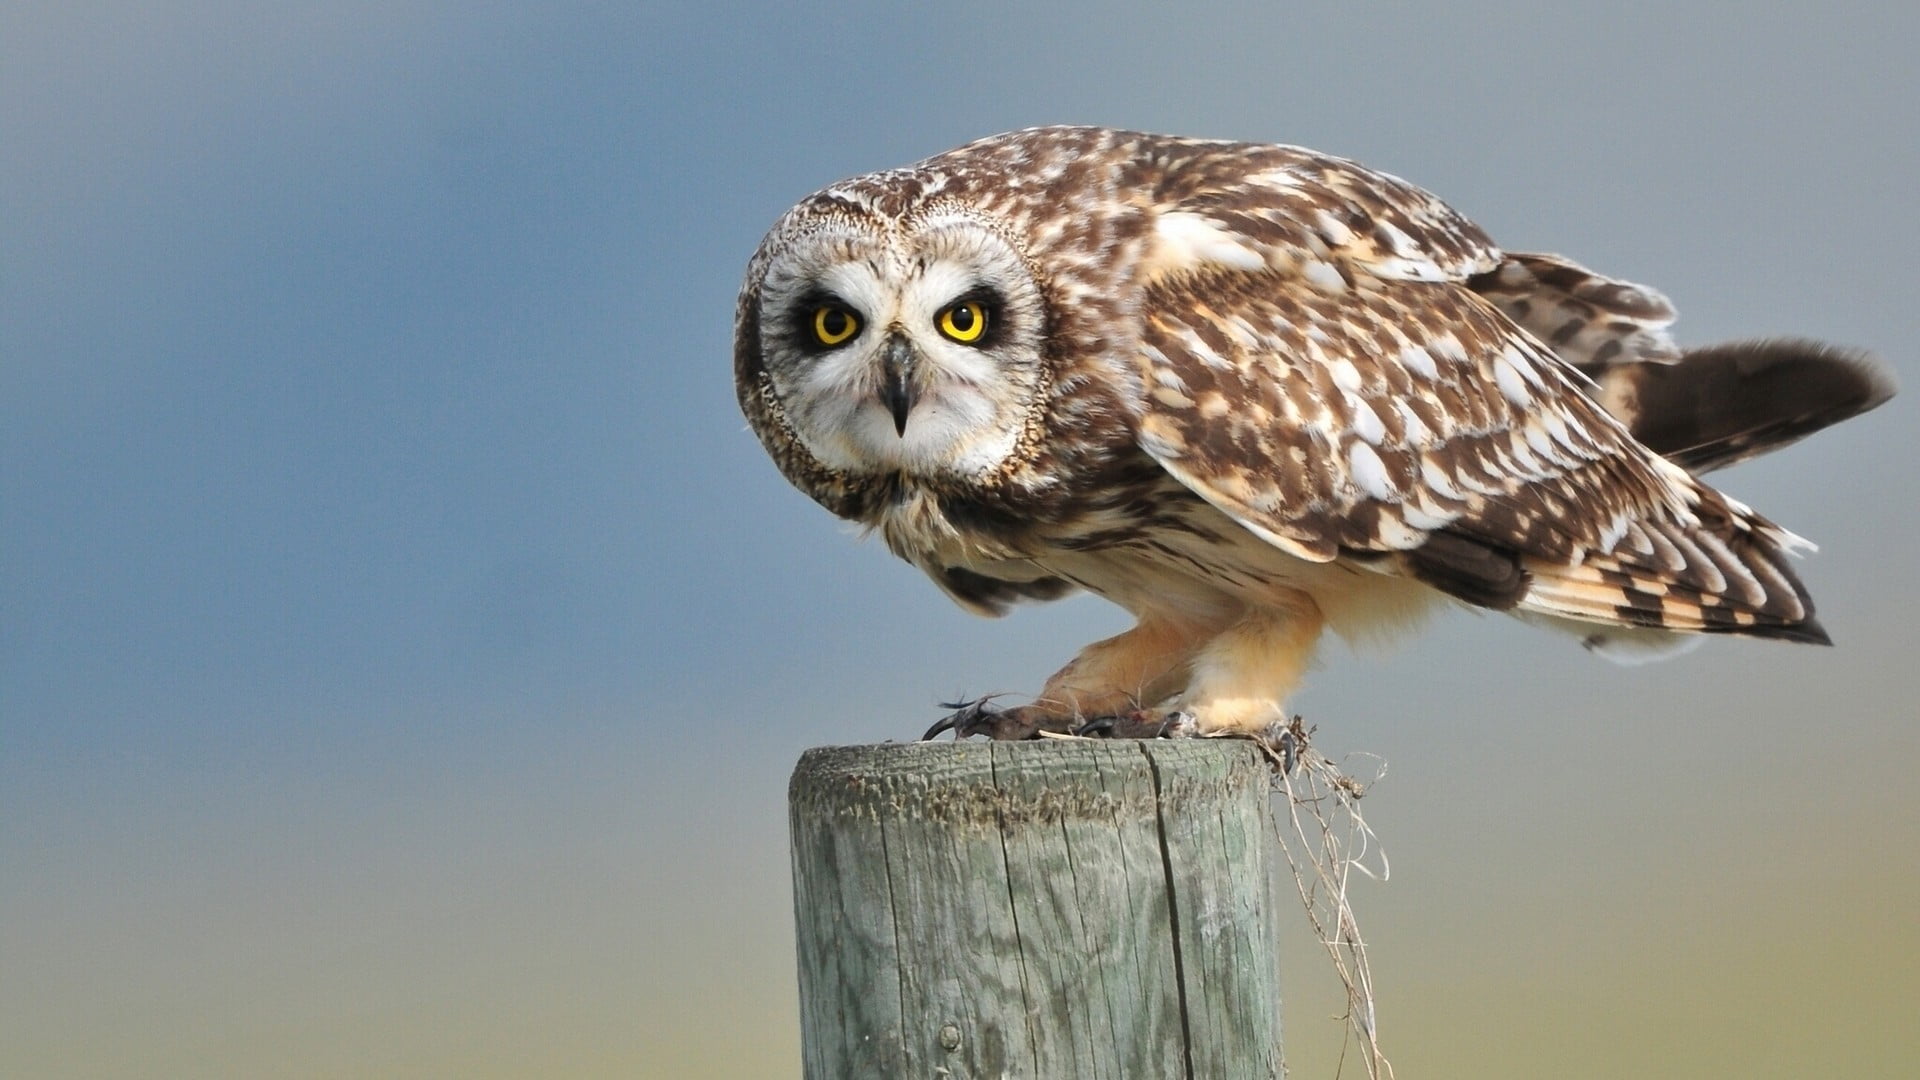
(1594, 322)
(1354, 399)
(1704, 408)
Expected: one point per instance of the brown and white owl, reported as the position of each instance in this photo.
(1251, 393)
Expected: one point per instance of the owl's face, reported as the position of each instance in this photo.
(907, 346)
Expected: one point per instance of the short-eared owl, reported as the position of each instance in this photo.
(1249, 393)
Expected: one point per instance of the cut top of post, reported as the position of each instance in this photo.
(1048, 909)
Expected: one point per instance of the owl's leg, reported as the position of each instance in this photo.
(1146, 664)
(1116, 676)
(1242, 677)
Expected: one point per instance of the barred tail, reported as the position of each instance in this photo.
(1690, 581)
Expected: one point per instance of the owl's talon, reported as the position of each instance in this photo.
(1284, 743)
(1097, 727)
(1140, 724)
(1179, 724)
(1002, 725)
(959, 721)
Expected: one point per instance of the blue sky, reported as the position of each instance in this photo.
(403, 644)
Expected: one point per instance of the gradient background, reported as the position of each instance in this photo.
(404, 646)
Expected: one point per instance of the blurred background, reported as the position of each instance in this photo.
(404, 645)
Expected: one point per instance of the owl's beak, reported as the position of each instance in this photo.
(897, 390)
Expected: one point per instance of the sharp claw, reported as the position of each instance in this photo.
(976, 717)
(1140, 724)
(1179, 725)
(1289, 751)
(1097, 726)
(1284, 743)
(1292, 738)
(962, 720)
(971, 718)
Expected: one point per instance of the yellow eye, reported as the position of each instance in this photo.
(834, 325)
(964, 322)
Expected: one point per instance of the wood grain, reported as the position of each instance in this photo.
(1058, 908)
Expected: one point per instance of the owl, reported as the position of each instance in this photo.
(1252, 394)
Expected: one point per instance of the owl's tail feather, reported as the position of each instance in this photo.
(1723, 404)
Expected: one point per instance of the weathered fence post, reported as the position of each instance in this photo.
(1060, 908)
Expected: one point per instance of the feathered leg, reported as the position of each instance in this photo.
(1108, 678)
(1242, 677)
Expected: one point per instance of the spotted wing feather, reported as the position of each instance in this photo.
(1702, 408)
(1407, 424)
(1591, 321)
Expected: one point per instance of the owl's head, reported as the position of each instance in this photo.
(908, 343)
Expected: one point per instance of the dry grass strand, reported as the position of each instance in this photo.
(1328, 840)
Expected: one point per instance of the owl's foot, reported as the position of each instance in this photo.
(1142, 724)
(1032, 722)
(1004, 725)
(1282, 743)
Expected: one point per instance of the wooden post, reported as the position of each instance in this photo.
(1048, 909)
